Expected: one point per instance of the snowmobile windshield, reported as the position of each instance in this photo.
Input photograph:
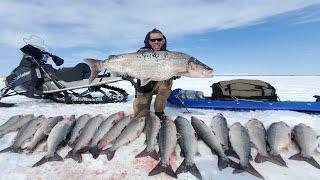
(36, 42)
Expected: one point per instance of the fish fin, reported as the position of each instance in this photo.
(224, 163)
(253, 171)
(145, 81)
(110, 153)
(83, 150)
(310, 160)
(95, 68)
(277, 159)
(95, 152)
(274, 159)
(45, 159)
(231, 152)
(238, 170)
(163, 168)
(192, 168)
(260, 158)
(145, 153)
(77, 157)
(12, 149)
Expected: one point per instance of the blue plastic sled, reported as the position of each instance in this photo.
(207, 103)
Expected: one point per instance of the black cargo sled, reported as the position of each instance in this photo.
(35, 78)
(240, 94)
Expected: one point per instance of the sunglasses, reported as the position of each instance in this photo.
(157, 39)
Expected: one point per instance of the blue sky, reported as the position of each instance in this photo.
(265, 37)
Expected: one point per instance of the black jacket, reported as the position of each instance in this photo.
(148, 87)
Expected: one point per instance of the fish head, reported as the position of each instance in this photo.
(197, 69)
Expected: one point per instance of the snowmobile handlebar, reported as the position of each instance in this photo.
(37, 54)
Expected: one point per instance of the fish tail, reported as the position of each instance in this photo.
(192, 168)
(250, 169)
(274, 159)
(95, 152)
(226, 162)
(110, 153)
(75, 156)
(145, 153)
(232, 153)
(12, 149)
(277, 159)
(45, 159)
(95, 68)
(309, 160)
(163, 168)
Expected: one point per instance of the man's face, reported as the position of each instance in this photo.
(156, 41)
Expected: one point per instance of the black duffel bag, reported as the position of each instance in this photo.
(244, 89)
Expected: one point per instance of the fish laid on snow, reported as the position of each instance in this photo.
(103, 129)
(130, 133)
(57, 135)
(240, 142)
(220, 128)
(43, 131)
(81, 144)
(151, 66)
(152, 130)
(188, 145)
(76, 131)
(258, 137)
(209, 138)
(306, 139)
(15, 123)
(167, 146)
(278, 138)
(114, 132)
(24, 134)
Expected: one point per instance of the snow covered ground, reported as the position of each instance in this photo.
(125, 166)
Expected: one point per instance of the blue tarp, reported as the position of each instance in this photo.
(245, 105)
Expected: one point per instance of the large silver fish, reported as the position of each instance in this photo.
(279, 138)
(15, 123)
(167, 146)
(57, 135)
(76, 131)
(24, 134)
(240, 142)
(306, 139)
(114, 132)
(82, 143)
(43, 131)
(258, 137)
(130, 133)
(188, 145)
(151, 66)
(220, 128)
(152, 130)
(103, 129)
(209, 138)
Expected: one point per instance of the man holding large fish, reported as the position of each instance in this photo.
(154, 67)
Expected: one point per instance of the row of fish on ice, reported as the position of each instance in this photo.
(94, 134)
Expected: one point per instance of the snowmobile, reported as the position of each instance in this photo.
(36, 78)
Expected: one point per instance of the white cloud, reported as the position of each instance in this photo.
(123, 24)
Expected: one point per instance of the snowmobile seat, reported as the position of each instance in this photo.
(68, 74)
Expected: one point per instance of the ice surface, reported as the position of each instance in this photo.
(125, 166)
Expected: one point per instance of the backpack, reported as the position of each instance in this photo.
(244, 89)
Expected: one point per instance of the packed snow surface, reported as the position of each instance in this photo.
(125, 166)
